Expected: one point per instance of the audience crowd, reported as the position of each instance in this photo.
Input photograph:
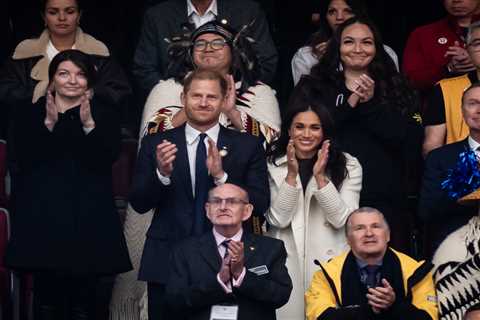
(355, 198)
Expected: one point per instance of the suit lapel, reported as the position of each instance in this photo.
(249, 245)
(224, 143)
(209, 251)
(465, 144)
(182, 167)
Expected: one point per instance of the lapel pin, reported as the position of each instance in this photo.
(252, 248)
(223, 152)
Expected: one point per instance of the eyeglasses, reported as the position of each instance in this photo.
(216, 44)
(229, 202)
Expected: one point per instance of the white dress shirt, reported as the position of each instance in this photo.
(196, 18)
(474, 145)
(192, 137)
(52, 51)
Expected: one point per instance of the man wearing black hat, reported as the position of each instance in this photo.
(166, 20)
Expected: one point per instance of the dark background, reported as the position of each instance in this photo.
(117, 22)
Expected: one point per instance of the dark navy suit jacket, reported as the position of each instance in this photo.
(442, 214)
(173, 220)
(193, 287)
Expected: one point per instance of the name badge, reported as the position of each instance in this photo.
(224, 312)
(260, 270)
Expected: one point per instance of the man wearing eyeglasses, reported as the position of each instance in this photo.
(227, 271)
(442, 118)
(165, 20)
(176, 168)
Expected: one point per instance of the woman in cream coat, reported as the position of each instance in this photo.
(314, 187)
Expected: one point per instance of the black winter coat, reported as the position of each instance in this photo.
(63, 215)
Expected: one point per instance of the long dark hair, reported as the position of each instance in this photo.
(78, 58)
(324, 31)
(390, 85)
(302, 101)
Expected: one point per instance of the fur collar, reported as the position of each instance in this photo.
(37, 48)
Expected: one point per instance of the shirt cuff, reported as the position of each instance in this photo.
(225, 287)
(164, 180)
(238, 282)
(222, 180)
(87, 130)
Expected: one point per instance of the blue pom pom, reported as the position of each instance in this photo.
(465, 177)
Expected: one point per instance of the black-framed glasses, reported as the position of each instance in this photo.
(229, 202)
(215, 44)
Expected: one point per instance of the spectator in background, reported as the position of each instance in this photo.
(371, 281)
(314, 187)
(437, 50)
(374, 112)
(25, 76)
(457, 260)
(332, 14)
(443, 118)
(166, 20)
(65, 227)
(254, 108)
(439, 212)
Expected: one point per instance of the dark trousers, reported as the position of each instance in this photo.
(63, 296)
(157, 307)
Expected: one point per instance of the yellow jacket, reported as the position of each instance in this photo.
(325, 290)
(452, 91)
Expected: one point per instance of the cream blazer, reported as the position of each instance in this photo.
(311, 224)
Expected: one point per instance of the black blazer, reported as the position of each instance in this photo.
(441, 213)
(173, 220)
(193, 287)
(166, 19)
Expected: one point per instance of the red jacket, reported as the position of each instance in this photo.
(424, 61)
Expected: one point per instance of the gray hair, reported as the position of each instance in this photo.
(474, 26)
(364, 210)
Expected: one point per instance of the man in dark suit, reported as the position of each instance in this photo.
(174, 172)
(166, 19)
(441, 214)
(227, 270)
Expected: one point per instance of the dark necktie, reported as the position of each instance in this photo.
(225, 245)
(201, 186)
(372, 272)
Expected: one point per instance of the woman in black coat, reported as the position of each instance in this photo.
(375, 113)
(65, 228)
